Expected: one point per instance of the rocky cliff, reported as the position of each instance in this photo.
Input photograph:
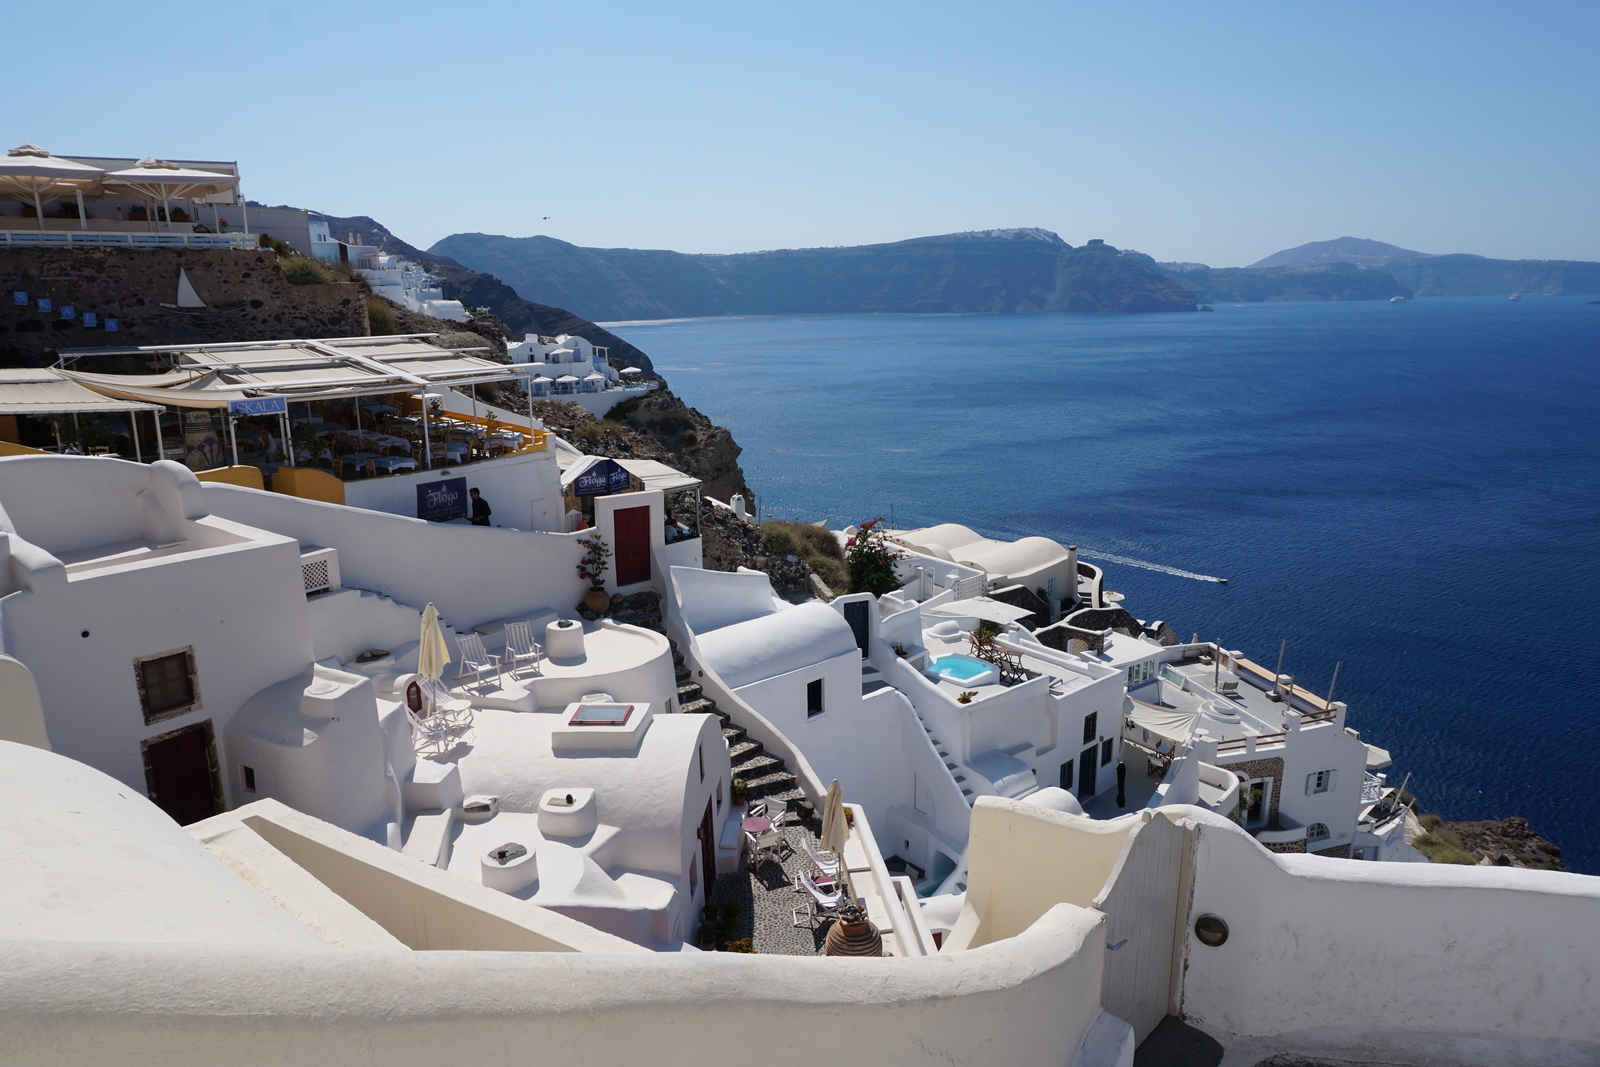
(1321, 281)
(1026, 270)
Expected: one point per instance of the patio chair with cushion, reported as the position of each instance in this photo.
(818, 902)
(474, 660)
(521, 647)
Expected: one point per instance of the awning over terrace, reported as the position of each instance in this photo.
(1171, 723)
(212, 376)
(50, 392)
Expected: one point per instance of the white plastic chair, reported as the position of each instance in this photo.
(817, 902)
(825, 862)
(474, 660)
(521, 647)
(428, 735)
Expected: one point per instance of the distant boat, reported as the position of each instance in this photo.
(1397, 300)
(1516, 296)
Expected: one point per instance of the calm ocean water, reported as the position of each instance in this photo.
(1411, 488)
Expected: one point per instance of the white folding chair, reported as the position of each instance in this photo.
(817, 901)
(428, 735)
(474, 660)
(453, 710)
(826, 863)
(775, 810)
(521, 647)
(768, 845)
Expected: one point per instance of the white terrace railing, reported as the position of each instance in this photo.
(91, 239)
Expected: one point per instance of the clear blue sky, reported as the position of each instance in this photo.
(1209, 132)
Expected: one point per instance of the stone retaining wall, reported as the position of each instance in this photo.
(247, 299)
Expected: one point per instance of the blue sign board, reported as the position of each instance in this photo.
(606, 476)
(443, 500)
(19, 297)
(256, 405)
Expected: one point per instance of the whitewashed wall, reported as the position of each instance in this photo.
(524, 490)
(1396, 962)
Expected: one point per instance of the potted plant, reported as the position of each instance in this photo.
(596, 561)
(853, 935)
(966, 697)
(900, 650)
(741, 789)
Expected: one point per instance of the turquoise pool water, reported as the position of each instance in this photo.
(961, 668)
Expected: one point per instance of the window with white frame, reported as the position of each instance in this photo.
(1321, 782)
(1317, 831)
(1142, 672)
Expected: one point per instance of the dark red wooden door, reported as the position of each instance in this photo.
(708, 851)
(633, 545)
(179, 771)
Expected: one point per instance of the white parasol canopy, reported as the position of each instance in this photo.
(630, 370)
(155, 181)
(433, 653)
(41, 177)
(834, 831)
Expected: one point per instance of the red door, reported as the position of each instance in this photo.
(708, 851)
(181, 771)
(632, 527)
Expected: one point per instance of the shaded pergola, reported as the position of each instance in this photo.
(48, 392)
(263, 378)
(156, 181)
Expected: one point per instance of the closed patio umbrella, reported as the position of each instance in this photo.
(432, 653)
(834, 831)
(155, 181)
(37, 175)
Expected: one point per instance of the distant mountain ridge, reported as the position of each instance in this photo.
(1357, 250)
(1354, 268)
(994, 271)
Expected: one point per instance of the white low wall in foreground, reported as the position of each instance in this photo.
(1394, 962)
(1027, 1001)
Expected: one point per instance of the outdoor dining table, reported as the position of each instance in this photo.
(755, 824)
(453, 450)
(358, 459)
(376, 408)
(395, 463)
(382, 440)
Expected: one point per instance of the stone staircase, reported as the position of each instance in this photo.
(765, 775)
(938, 746)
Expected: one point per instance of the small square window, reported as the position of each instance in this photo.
(1105, 751)
(1091, 726)
(167, 684)
(814, 698)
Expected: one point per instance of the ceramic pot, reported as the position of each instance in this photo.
(859, 938)
(597, 600)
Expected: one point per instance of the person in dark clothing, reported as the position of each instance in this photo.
(480, 509)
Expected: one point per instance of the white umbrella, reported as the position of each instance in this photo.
(41, 177)
(432, 653)
(157, 181)
(834, 831)
(630, 370)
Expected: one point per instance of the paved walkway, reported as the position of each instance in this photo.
(769, 901)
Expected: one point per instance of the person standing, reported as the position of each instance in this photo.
(480, 509)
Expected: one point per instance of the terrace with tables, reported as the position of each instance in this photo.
(355, 407)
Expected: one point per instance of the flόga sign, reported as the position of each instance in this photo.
(443, 500)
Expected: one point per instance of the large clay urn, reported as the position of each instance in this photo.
(853, 934)
(597, 601)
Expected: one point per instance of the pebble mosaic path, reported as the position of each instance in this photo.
(769, 901)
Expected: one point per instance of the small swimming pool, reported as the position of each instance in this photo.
(965, 670)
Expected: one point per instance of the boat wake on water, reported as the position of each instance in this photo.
(1159, 567)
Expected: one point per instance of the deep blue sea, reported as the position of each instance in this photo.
(1413, 489)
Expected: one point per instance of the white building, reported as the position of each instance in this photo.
(403, 282)
(573, 370)
(216, 660)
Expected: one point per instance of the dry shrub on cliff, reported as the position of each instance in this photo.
(302, 270)
(380, 318)
(814, 544)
